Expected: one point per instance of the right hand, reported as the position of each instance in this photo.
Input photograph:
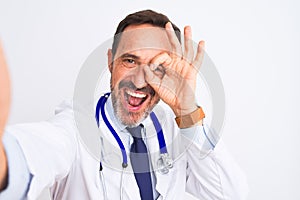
(176, 86)
(4, 110)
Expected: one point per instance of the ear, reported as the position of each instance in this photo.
(109, 59)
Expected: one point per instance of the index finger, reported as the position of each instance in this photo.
(175, 44)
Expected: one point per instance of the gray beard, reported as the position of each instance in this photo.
(123, 114)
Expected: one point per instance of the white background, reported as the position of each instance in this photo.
(255, 46)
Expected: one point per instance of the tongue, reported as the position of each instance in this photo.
(133, 101)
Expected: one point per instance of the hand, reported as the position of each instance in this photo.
(173, 74)
(4, 109)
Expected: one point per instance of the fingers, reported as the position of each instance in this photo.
(2, 59)
(175, 63)
(188, 44)
(164, 64)
(161, 59)
(152, 78)
(4, 78)
(200, 55)
(159, 63)
(4, 91)
(176, 46)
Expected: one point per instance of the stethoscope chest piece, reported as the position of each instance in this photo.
(164, 163)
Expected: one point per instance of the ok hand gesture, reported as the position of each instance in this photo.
(173, 74)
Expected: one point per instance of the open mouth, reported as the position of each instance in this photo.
(134, 99)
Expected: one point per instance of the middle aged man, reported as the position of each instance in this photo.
(147, 64)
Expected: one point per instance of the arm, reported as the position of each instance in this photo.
(4, 108)
(49, 149)
(33, 156)
(3, 168)
(15, 179)
(211, 172)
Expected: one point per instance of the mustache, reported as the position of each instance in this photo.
(129, 84)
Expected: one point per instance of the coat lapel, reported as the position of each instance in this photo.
(163, 181)
(130, 187)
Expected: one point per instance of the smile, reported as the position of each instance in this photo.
(134, 99)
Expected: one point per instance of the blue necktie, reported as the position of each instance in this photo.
(140, 163)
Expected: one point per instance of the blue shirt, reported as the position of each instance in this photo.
(19, 176)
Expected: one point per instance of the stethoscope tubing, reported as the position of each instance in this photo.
(160, 137)
(158, 128)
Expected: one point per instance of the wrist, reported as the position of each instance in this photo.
(182, 112)
(190, 119)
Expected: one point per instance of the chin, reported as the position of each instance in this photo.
(131, 108)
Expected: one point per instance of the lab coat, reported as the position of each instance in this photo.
(58, 159)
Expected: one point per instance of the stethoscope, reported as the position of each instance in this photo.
(164, 163)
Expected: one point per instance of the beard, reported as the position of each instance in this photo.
(132, 119)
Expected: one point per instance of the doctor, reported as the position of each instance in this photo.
(147, 151)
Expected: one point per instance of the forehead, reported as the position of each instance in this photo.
(142, 38)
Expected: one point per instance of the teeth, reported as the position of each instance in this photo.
(137, 95)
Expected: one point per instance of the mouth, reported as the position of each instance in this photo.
(134, 100)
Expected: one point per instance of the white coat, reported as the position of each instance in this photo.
(58, 159)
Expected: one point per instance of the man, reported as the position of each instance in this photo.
(147, 64)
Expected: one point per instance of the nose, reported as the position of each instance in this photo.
(139, 77)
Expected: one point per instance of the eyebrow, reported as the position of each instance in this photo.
(126, 55)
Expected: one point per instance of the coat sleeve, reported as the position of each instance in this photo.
(212, 173)
(18, 173)
(49, 148)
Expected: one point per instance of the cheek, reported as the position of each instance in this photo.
(115, 77)
(112, 83)
(118, 75)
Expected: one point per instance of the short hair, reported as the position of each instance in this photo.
(142, 17)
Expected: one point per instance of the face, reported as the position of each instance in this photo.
(133, 98)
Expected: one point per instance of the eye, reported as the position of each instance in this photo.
(160, 71)
(129, 62)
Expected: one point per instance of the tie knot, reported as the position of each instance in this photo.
(135, 131)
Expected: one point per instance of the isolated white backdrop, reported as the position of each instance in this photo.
(255, 46)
